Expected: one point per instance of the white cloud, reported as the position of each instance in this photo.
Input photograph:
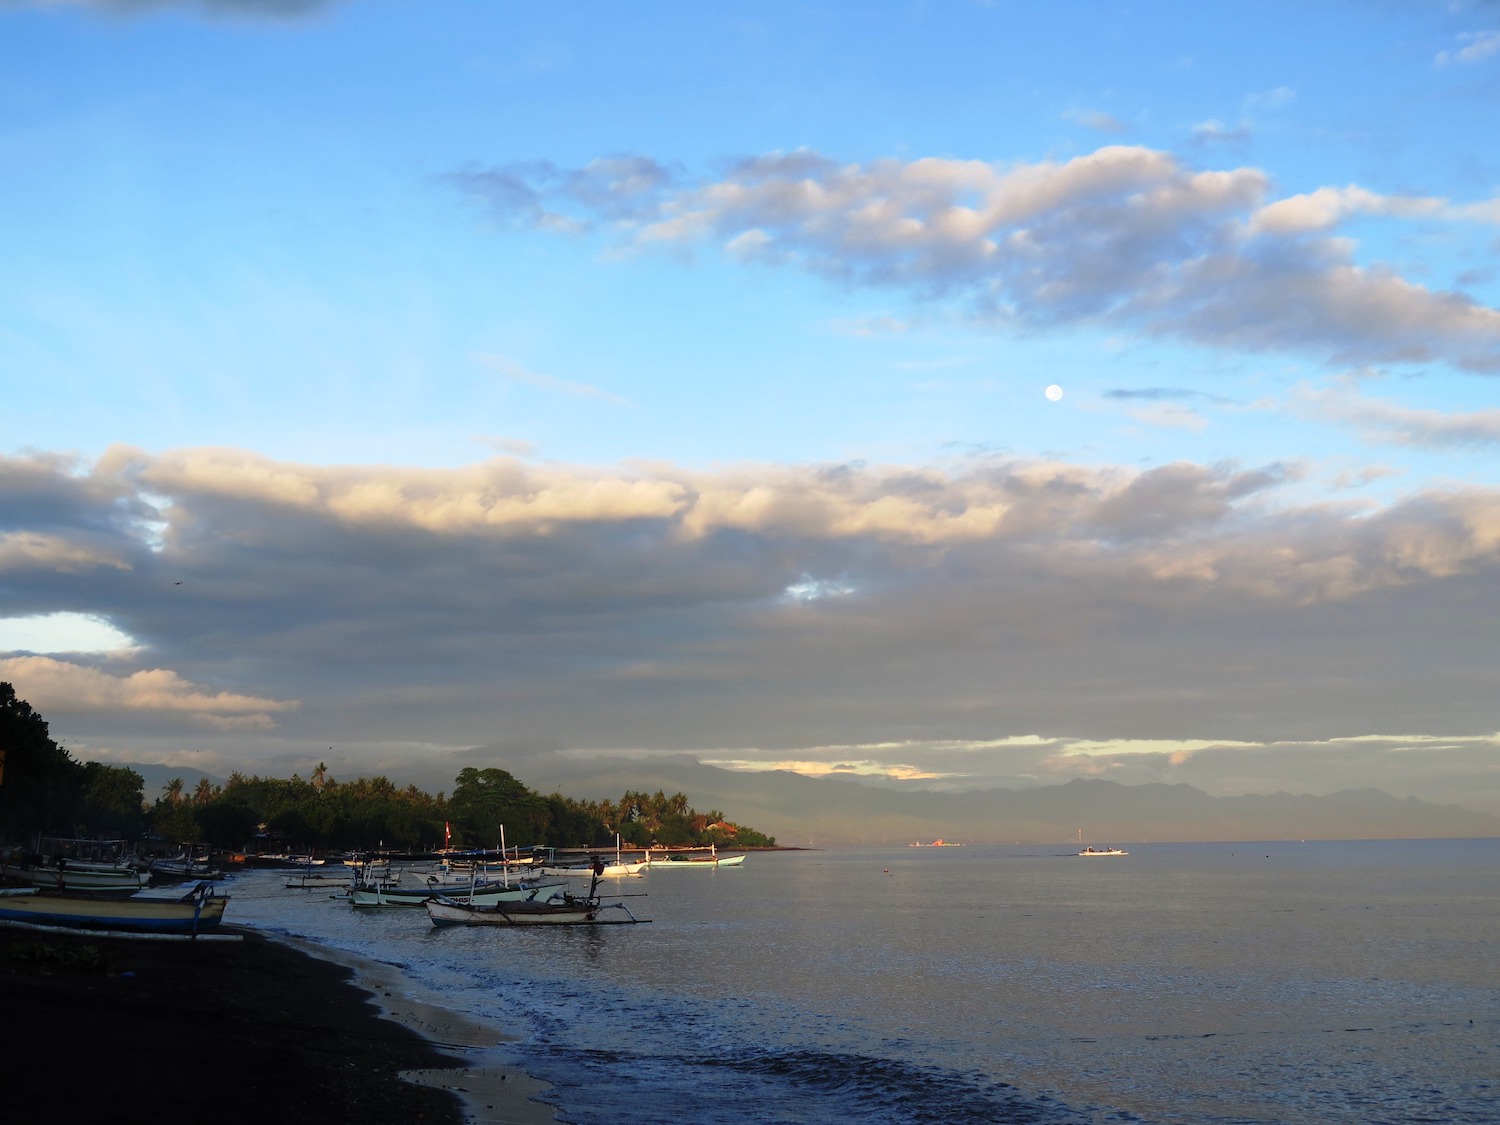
(510, 369)
(1327, 207)
(1389, 423)
(1125, 238)
(60, 633)
(64, 688)
(32, 549)
(1169, 415)
(1097, 120)
(1477, 46)
(257, 9)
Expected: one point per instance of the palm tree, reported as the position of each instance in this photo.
(204, 792)
(173, 790)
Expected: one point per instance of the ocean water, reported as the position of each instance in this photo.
(1278, 983)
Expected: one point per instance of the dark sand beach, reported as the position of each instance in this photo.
(120, 1030)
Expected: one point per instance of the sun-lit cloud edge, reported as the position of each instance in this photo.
(64, 688)
(892, 760)
(54, 634)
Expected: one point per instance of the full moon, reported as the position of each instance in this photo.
(1054, 392)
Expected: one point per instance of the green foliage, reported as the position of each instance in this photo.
(113, 801)
(176, 821)
(41, 787)
(485, 800)
(646, 818)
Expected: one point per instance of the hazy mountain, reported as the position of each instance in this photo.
(157, 777)
(819, 812)
(807, 811)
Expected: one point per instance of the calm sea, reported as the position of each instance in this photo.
(1212, 983)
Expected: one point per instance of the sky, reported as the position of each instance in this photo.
(952, 395)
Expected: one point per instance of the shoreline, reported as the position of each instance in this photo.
(492, 1093)
(264, 1028)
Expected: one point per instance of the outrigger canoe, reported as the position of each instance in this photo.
(563, 910)
(199, 910)
(385, 895)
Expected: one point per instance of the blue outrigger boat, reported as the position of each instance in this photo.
(199, 910)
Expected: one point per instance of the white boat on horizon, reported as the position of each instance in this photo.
(1093, 851)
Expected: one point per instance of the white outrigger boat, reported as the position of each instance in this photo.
(597, 867)
(679, 859)
(95, 866)
(483, 894)
(561, 909)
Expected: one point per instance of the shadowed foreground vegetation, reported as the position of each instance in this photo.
(43, 790)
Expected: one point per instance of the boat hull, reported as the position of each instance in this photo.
(126, 880)
(564, 912)
(708, 863)
(610, 869)
(382, 896)
(146, 916)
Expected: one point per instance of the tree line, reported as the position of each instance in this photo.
(43, 790)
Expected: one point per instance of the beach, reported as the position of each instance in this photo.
(248, 1030)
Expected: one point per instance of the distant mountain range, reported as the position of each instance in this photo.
(805, 811)
(820, 812)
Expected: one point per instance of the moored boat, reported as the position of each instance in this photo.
(563, 910)
(380, 894)
(600, 869)
(94, 866)
(198, 911)
(195, 861)
(687, 858)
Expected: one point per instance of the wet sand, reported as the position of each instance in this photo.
(251, 1030)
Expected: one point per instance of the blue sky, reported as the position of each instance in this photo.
(691, 360)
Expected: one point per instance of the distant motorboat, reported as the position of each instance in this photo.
(1093, 851)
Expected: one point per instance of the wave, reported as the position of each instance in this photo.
(760, 1086)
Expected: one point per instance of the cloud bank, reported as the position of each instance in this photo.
(752, 612)
(1124, 238)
